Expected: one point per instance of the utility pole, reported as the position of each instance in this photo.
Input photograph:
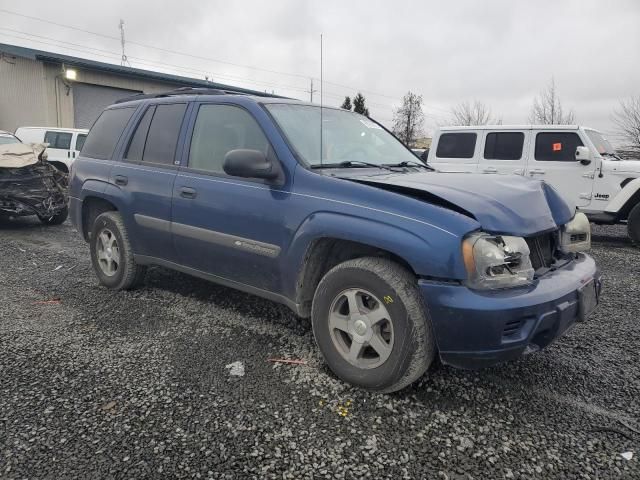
(124, 59)
(311, 91)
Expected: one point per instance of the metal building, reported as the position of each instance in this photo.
(39, 88)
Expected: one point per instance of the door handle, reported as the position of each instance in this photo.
(536, 171)
(490, 170)
(121, 180)
(187, 192)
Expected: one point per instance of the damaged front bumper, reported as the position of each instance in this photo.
(38, 189)
(478, 329)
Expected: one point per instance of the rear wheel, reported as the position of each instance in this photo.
(57, 219)
(633, 224)
(371, 325)
(111, 253)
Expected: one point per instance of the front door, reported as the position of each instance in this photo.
(231, 227)
(503, 152)
(553, 159)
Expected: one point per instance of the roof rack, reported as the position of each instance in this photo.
(180, 91)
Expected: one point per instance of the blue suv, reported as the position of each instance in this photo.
(325, 211)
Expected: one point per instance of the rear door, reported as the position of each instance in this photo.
(503, 152)
(145, 178)
(226, 226)
(455, 152)
(59, 148)
(553, 160)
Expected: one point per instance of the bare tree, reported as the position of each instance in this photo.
(547, 109)
(408, 119)
(476, 113)
(627, 119)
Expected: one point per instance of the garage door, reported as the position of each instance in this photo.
(89, 101)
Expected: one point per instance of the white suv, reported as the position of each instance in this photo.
(578, 161)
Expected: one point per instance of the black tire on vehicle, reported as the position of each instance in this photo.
(111, 253)
(57, 219)
(633, 224)
(368, 284)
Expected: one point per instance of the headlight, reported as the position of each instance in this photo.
(575, 236)
(496, 261)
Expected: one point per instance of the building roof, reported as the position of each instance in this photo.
(52, 57)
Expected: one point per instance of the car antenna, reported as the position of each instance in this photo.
(321, 98)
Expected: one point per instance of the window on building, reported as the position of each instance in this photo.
(504, 146)
(220, 129)
(61, 140)
(557, 146)
(456, 145)
(105, 133)
(163, 134)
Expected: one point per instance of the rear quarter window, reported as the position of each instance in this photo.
(456, 145)
(557, 146)
(106, 132)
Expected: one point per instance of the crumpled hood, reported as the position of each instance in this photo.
(507, 204)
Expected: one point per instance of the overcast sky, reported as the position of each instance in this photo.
(499, 52)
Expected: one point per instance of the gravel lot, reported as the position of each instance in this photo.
(135, 385)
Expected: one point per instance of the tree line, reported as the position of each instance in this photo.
(547, 109)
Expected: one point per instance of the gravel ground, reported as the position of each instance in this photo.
(136, 385)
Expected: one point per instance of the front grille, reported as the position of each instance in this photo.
(542, 249)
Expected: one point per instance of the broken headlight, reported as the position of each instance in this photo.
(496, 261)
(575, 236)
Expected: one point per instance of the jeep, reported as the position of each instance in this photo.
(325, 211)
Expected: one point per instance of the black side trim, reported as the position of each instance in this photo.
(275, 297)
(152, 222)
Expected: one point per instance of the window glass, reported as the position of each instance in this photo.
(6, 139)
(105, 133)
(456, 145)
(60, 140)
(557, 146)
(504, 146)
(220, 129)
(602, 144)
(136, 146)
(164, 131)
(80, 141)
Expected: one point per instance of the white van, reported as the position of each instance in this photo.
(577, 161)
(64, 143)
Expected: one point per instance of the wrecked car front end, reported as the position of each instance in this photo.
(28, 184)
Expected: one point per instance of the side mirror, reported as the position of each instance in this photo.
(583, 155)
(249, 164)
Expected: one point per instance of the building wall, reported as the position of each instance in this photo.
(33, 93)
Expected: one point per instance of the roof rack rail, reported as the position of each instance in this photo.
(180, 91)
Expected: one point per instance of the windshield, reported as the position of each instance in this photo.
(5, 139)
(346, 136)
(602, 144)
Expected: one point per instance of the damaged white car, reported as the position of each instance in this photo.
(29, 185)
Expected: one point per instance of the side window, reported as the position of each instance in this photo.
(136, 145)
(60, 140)
(80, 141)
(220, 129)
(456, 145)
(163, 134)
(557, 146)
(105, 133)
(504, 146)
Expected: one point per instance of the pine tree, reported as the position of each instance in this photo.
(359, 106)
(346, 104)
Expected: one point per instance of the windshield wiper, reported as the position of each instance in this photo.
(352, 163)
(614, 155)
(407, 163)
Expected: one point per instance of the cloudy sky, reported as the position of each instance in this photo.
(499, 52)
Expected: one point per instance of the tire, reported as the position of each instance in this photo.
(111, 253)
(409, 345)
(633, 224)
(58, 219)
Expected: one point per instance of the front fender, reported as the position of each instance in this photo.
(620, 200)
(430, 251)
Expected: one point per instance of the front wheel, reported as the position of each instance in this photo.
(633, 224)
(371, 325)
